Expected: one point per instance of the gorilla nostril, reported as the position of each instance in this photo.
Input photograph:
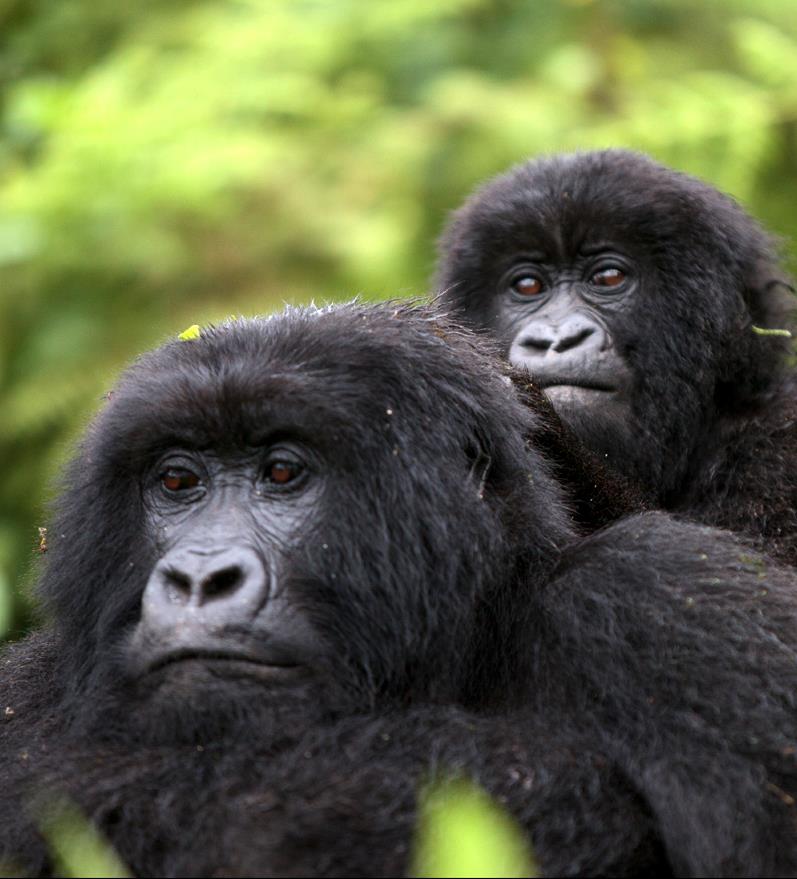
(573, 339)
(219, 584)
(178, 585)
(538, 343)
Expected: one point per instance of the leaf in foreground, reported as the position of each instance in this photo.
(463, 833)
(77, 848)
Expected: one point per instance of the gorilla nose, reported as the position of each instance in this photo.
(210, 588)
(540, 337)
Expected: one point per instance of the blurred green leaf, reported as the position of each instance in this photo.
(77, 848)
(463, 833)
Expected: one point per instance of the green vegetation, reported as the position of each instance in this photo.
(463, 833)
(173, 161)
(760, 331)
(77, 849)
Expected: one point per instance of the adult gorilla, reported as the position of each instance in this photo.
(633, 295)
(301, 563)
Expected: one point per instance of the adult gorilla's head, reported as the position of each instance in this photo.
(630, 292)
(326, 508)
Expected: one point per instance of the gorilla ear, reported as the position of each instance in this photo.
(478, 453)
(766, 301)
(768, 293)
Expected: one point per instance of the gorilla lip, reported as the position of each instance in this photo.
(547, 378)
(210, 657)
(560, 381)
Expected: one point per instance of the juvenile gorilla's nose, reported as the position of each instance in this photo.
(210, 588)
(540, 337)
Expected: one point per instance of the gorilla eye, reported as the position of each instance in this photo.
(176, 479)
(283, 472)
(611, 277)
(528, 285)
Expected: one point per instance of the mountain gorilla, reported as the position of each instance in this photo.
(633, 295)
(302, 564)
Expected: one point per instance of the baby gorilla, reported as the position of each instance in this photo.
(302, 564)
(634, 296)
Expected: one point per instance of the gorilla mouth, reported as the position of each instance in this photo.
(260, 666)
(589, 384)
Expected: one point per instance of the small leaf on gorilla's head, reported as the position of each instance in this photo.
(193, 332)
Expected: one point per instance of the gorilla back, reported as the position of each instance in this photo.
(635, 297)
(299, 564)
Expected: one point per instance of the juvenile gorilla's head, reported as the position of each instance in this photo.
(629, 291)
(325, 508)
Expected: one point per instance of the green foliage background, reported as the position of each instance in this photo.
(170, 162)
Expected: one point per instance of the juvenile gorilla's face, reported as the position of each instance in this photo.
(565, 304)
(623, 288)
(555, 313)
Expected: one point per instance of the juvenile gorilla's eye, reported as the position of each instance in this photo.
(611, 277)
(283, 472)
(528, 285)
(179, 479)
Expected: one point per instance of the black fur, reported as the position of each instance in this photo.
(712, 428)
(595, 494)
(629, 696)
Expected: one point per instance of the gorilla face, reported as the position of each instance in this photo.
(213, 599)
(554, 315)
(628, 291)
